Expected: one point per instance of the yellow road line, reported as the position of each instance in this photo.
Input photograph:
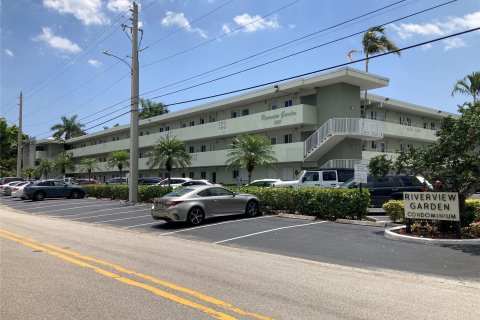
(188, 303)
(173, 286)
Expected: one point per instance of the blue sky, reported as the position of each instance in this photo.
(52, 51)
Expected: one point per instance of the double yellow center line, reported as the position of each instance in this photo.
(73, 257)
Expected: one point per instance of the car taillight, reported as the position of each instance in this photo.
(423, 189)
(15, 189)
(172, 203)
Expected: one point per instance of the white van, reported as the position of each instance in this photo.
(325, 178)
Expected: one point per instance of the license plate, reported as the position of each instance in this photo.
(159, 205)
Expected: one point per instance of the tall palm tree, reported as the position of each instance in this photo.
(151, 109)
(69, 128)
(64, 163)
(89, 165)
(469, 85)
(118, 159)
(249, 151)
(46, 166)
(168, 153)
(374, 41)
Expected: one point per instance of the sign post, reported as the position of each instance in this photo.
(360, 176)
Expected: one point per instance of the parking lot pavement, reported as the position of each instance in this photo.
(323, 241)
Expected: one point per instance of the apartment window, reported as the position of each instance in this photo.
(148, 132)
(203, 175)
(140, 155)
(167, 128)
(432, 125)
(183, 175)
(424, 125)
(202, 120)
(374, 145)
(236, 174)
(288, 103)
(364, 145)
(409, 121)
(184, 125)
(234, 114)
(273, 106)
(191, 149)
(382, 146)
(402, 147)
(273, 140)
(382, 116)
(211, 119)
(203, 148)
(402, 120)
(160, 130)
(288, 138)
(373, 115)
(192, 123)
(141, 133)
(191, 175)
(245, 112)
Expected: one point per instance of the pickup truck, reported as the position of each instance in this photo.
(326, 178)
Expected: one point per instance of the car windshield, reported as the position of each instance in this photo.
(178, 193)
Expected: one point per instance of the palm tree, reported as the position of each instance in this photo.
(69, 128)
(469, 85)
(168, 153)
(46, 166)
(89, 165)
(30, 172)
(118, 159)
(374, 41)
(249, 151)
(63, 163)
(151, 109)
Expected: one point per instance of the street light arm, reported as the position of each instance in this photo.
(123, 60)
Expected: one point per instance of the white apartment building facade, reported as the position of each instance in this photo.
(321, 121)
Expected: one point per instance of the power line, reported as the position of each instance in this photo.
(309, 73)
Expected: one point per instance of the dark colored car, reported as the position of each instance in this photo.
(391, 187)
(148, 181)
(40, 190)
(117, 181)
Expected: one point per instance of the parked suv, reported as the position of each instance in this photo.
(326, 178)
(391, 187)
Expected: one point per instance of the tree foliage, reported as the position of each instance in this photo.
(8, 148)
(45, 167)
(89, 165)
(150, 109)
(469, 85)
(64, 163)
(168, 153)
(379, 166)
(68, 128)
(119, 159)
(249, 151)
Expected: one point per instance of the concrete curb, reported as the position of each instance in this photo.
(296, 216)
(395, 236)
(382, 224)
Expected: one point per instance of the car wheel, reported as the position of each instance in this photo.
(195, 216)
(75, 195)
(252, 209)
(39, 196)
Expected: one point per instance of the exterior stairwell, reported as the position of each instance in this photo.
(335, 130)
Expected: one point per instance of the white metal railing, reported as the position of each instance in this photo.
(341, 163)
(343, 126)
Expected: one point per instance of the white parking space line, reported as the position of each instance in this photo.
(41, 205)
(70, 208)
(104, 215)
(253, 234)
(143, 224)
(122, 219)
(212, 225)
(81, 214)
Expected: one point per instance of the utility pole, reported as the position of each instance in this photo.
(19, 139)
(133, 183)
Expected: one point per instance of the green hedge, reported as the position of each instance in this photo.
(325, 203)
(120, 192)
(395, 210)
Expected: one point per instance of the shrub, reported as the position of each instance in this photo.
(472, 212)
(395, 210)
(120, 192)
(473, 229)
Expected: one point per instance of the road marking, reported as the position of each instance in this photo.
(122, 219)
(104, 215)
(79, 214)
(212, 225)
(41, 205)
(253, 234)
(219, 303)
(70, 208)
(139, 225)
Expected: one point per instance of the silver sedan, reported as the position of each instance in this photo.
(194, 204)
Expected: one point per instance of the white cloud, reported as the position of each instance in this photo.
(94, 63)
(9, 53)
(255, 23)
(179, 19)
(118, 5)
(427, 46)
(453, 43)
(226, 28)
(87, 11)
(56, 42)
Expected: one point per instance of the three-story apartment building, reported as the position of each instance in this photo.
(320, 121)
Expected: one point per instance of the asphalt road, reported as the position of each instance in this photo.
(61, 269)
(321, 241)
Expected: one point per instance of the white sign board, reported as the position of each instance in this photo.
(360, 173)
(431, 205)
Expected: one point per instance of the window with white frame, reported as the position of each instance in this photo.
(373, 115)
(191, 149)
(273, 140)
(202, 120)
(203, 175)
(203, 148)
(432, 125)
(288, 103)
(191, 174)
(235, 174)
(288, 138)
(245, 112)
(374, 145)
(192, 123)
(273, 106)
(184, 125)
(234, 114)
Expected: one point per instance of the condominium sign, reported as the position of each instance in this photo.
(431, 205)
